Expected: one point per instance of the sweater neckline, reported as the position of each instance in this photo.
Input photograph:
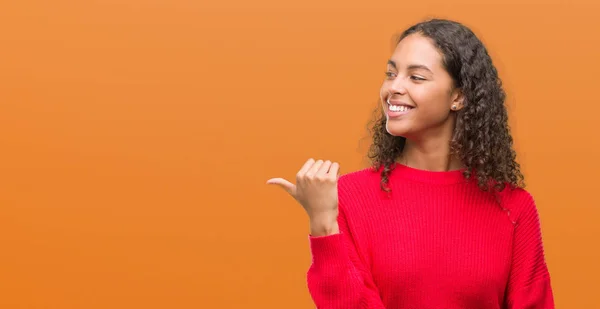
(434, 177)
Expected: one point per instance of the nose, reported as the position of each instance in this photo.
(397, 87)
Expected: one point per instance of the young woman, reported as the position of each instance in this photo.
(441, 220)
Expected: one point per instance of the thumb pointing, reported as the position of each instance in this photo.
(286, 185)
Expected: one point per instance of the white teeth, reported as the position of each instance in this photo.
(399, 108)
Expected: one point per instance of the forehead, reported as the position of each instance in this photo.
(417, 49)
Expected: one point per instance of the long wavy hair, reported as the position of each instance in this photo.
(481, 138)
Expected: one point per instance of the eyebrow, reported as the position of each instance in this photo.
(411, 66)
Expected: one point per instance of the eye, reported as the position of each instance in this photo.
(390, 74)
(417, 78)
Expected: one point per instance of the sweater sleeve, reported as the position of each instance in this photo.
(529, 283)
(337, 277)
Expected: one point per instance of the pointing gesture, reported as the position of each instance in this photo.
(316, 191)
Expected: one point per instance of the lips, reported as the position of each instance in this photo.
(397, 108)
(398, 103)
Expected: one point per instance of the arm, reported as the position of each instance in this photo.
(529, 283)
(337, 277)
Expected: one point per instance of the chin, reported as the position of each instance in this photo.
(396, 130)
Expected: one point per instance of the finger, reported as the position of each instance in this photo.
(307, 165)
(324, 169)
(334, 170)
(286, 185)
(313, 169)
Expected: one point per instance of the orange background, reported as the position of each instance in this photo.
(136, 137)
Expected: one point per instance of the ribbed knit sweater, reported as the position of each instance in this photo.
(436, 241)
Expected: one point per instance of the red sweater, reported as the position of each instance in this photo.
(437, 241)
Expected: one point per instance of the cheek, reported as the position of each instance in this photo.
(431, 101)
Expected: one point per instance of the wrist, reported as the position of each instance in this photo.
(324, 225)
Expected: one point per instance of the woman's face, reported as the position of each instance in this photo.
(418, 94)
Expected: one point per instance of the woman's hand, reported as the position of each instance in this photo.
(316, 191)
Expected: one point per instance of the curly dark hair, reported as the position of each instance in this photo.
(481, 138)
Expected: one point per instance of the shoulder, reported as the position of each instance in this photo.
(516, 196)
(359, 189)
(358, 180)
(520, 202)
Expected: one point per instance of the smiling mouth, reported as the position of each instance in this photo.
(395, 106)
(399, 108)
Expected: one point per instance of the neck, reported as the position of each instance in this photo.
(432, 154)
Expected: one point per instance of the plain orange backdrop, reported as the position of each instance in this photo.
(136, 138)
